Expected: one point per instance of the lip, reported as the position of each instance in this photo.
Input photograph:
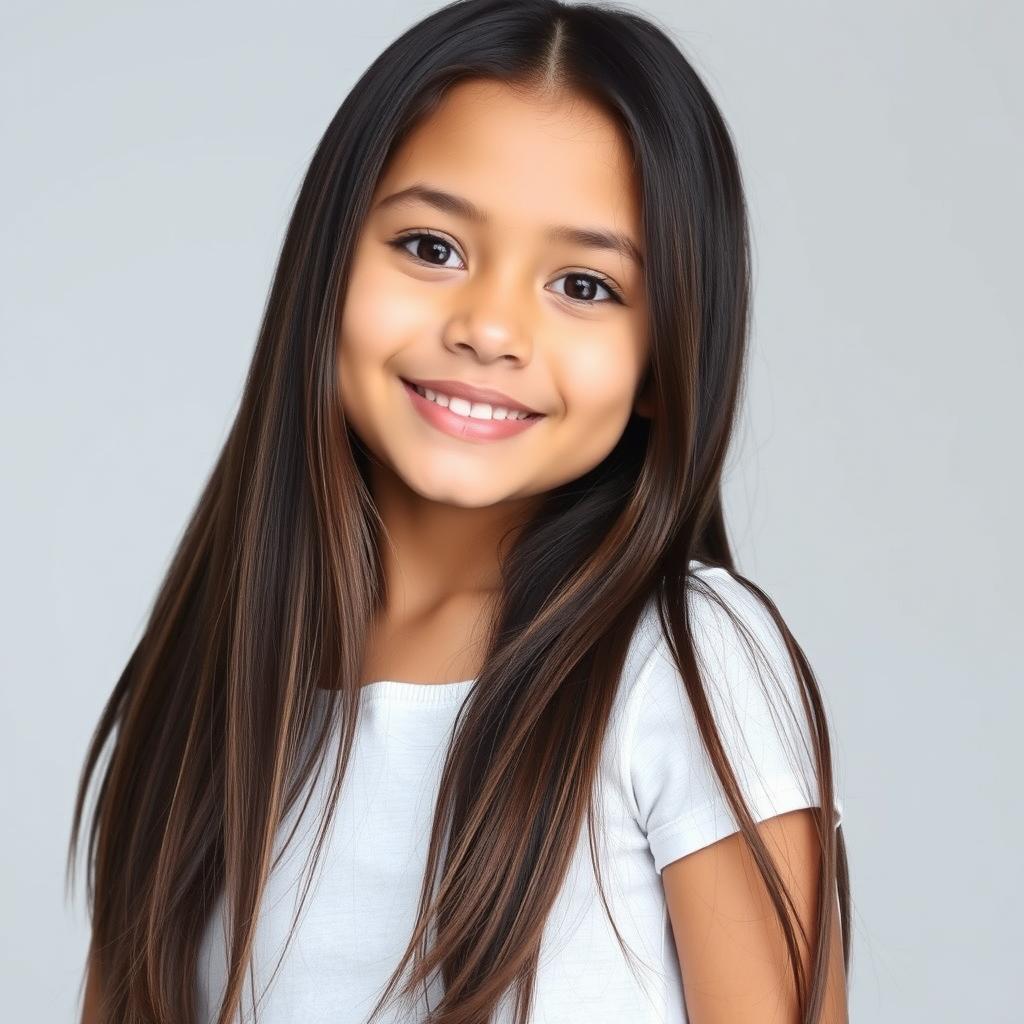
(456, 389)
(465, 428)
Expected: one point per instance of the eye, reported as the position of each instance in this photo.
(577, 276)
(435, 254)
(442, 248)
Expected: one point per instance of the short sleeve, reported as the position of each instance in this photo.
(680, 804)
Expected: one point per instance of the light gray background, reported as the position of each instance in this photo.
(151, 160)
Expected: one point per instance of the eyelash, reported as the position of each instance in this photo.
(400, 241)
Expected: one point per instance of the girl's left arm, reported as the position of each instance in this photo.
(732, 951)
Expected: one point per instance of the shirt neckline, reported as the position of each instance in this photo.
(414, 693)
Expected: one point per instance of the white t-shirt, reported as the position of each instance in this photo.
(660, 801)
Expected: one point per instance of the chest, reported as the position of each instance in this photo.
(362, 903)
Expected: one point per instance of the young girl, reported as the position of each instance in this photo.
(453, 706)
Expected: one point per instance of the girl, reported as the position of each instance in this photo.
(453, 706)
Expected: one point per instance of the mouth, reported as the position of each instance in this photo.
(468, 421)
(477, 409)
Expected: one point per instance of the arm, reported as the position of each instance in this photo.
(732, 951)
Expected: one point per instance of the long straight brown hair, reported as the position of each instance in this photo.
(214, 724)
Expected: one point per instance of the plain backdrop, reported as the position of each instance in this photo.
(152, 154)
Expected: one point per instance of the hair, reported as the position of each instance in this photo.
(277, 576)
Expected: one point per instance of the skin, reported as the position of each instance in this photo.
(496, 307)
(732, 952)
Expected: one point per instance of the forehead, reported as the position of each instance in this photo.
(524, 158)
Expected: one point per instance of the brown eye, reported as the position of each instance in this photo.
(426, 247)
(585, 287)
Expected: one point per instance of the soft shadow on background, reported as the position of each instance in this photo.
(151, 160)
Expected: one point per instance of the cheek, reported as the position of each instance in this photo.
(371, 324)
(363, 343)
(379, 316)
(599, 379)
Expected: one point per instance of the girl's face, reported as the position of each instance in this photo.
(488, 260)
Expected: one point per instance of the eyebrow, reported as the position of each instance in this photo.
(448, 202)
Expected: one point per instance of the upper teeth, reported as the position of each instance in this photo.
(475, 410)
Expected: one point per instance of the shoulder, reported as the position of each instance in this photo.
(737, 674)
(732, 628)
(738, 660)
(737, 629)
(727, 627)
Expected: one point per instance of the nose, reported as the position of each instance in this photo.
(490, 321)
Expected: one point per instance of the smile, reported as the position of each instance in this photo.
(470, 421)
